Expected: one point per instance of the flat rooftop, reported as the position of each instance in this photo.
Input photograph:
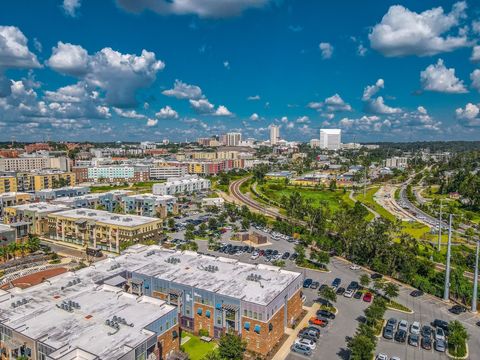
(40, 207)
(231, 277)
(106, 217)
(40, 316)
(152, 197)
(13, 193)
(62, 189)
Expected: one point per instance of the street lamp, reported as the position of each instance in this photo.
(446, 292)
(440, 227)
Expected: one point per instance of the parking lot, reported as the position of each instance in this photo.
(332, 342)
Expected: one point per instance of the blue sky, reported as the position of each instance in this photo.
(180, 69)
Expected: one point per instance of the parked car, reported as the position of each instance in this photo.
(413, 340)
(367, 297)
(440, 345)
(354, 267)
(415, 328)
(375, 276)
(416, 293)
(381, 356)
(254, 256)
(439, 334)
(426, 343)
(325, 313)
(403, 325)
(318, 322)
(336, 283)
(349, 293)
(310, 332)
(307, 283)
(301, 349)
(285, 255)
(293, 256)
(388, 332)
(340, 291)
(457, 309)
(440, 324)
(314, 285)
(314, 329)
(308, 336)
(357, 295)
(400, 336)
(426, 331)
(306, 342)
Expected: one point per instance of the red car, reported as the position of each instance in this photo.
(367, 297)
(318, 322)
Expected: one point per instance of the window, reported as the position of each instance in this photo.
(246, 326)
(255, 315)
(207, 314)
(245, 312)
(270, 327)
(199, 311)
(250, 313)
(257, 329)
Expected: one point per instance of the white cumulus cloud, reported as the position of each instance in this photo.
(14, 51)
(167, 113)
(71, 6)
(182, 90)
(326, 50)
(469, 116)
(437, 77)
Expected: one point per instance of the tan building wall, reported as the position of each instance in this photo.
(8, 184)
(168, 343)
(294, 307)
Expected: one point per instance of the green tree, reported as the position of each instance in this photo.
(457, 337)
(378, 284)
(171, 223)
(189, 236)
(391, 290)
(365, 280)
(231, 347)
(328, 294)
(300, 250)
(361, 348)
(212, 355)
(245, 224)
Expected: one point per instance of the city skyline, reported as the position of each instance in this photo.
(130, 71)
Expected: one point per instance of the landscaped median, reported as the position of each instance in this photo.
(457, 340)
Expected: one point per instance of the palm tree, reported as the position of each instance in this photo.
(328, 294)
(12, 249)
(390, 290)
(458, 335)
(364, 280)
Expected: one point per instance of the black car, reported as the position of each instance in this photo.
(314, 329)
(416, 293)
(457, 309)
(401, 336)
(307, 335)
(325, 313)
(307, 283)
(340, 291)
(285, 255)
(353, 286)
(376, 276)
(426, 331)
(293, 256)
(426, 343)
(314, 285)
(388, 332)
(442, 324)
(358, 295)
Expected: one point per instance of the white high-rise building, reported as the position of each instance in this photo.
(274, 134)
(233, 139)
(330, 139)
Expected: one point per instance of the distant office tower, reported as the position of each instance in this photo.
(274, 134)
(233, 139)
(330, 139)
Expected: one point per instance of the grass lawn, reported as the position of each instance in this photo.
(333, 198)
(196, 348)
(372, 204)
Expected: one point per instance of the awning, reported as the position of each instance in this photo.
(246, 325)
(257, 329)
(207, 313)
(230, 307)
(199, 311)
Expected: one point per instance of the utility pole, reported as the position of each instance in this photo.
(365, 184)
(440, 227)
(446, 293)
(475, 280)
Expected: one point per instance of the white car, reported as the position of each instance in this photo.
(254, 256)
(415, 328)
(382, 356)
(354, 267)
(439, 334)
(403, 325)
(306, 342)
(349, 293)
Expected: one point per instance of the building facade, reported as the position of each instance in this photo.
(330, 139)
(183, 185)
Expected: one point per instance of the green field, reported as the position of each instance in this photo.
(196, 348)
(372, 204)
(144, 186)
(333, 198)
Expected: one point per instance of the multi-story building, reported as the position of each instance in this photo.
(330, 139)
(233, 139)
(165, 172)
(118, 173)
(183, 185)
(150, 205)
(30, 148)
(8, 183)
(8, 235)
(86, 315)
(8, 199)
(109, 201)
(396, 162)
(34, 163)
(274, 134)
(35, 214)
(67, 191)
(47, 180)
(98, 228)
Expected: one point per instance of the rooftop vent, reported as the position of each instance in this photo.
(150, 253)
(255, 278)
(210, 268)
(19, 303)
(114, 266)
(172, 260)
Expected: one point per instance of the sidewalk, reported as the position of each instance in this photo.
(284, 350)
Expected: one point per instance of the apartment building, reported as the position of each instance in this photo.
(86, 315)
(216, 294)
(67, 191)
(44, 179)
(396, 162)
(98, 228)
(150, 205)
(118, 173)
(34, 214)
(8, 184)
(330, 139)
(34, 163)
(183, 185)
(8, 199)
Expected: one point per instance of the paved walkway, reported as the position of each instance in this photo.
(352, 197)
(284, 350)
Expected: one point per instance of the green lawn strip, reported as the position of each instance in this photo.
(371, 203)
(461, 351)
(196, 348)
